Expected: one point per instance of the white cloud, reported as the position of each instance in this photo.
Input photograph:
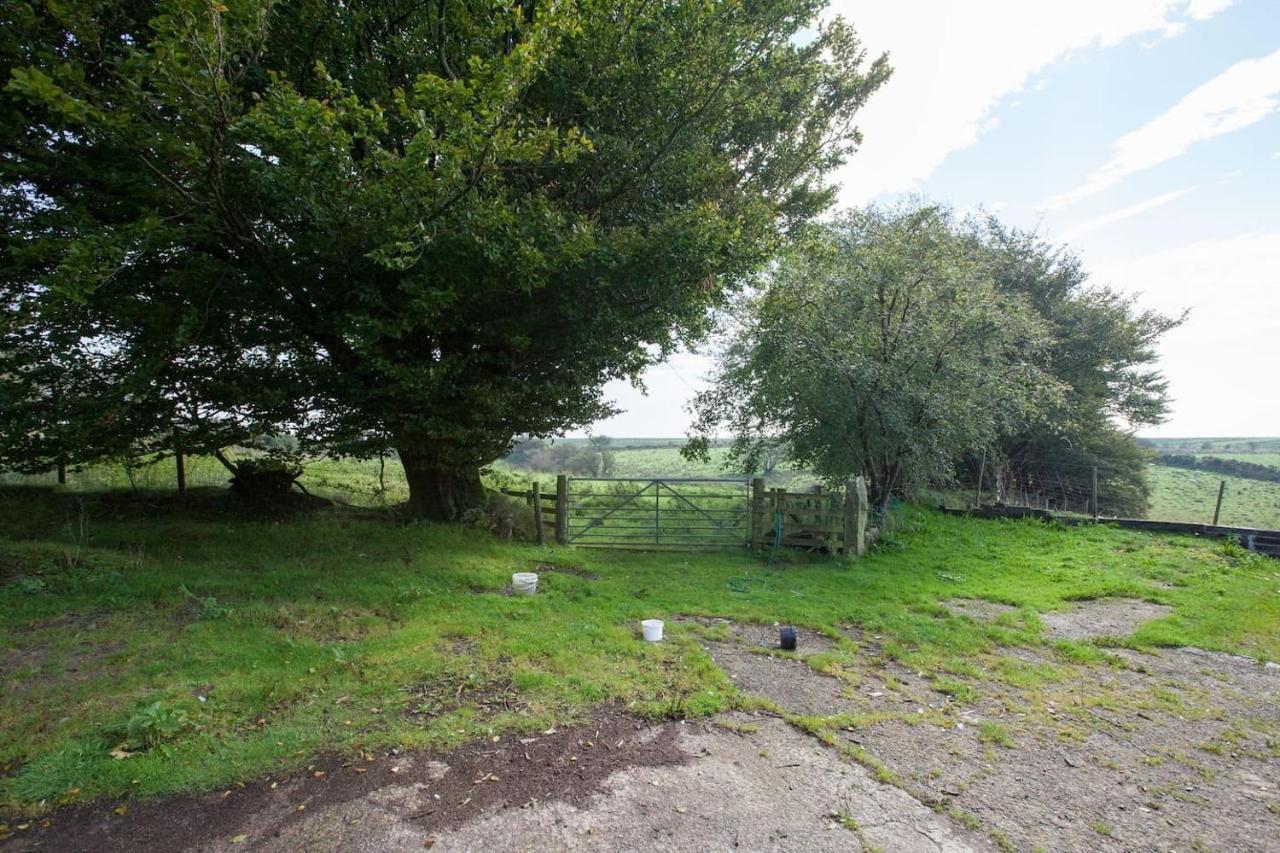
(954, 62)
(661, 412)
(1244, 94)
(1123, 213)
(1201, 10)
(1221, 362)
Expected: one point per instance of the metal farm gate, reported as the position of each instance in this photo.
(619, 512)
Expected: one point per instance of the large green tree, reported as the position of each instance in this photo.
(410, 224)
(1102, 350)
(879, 346)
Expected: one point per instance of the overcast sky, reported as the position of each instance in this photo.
(1143, 133)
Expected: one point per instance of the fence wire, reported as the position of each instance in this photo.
(1175, 494)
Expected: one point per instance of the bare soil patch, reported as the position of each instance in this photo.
(768, 788)
(329, 806)
(978, 608)
(1114, 617)
(615, 784)
(31, 653)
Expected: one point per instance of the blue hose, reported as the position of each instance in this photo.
(742, 583)
(777, 537)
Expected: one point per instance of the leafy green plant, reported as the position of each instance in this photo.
(154, 726)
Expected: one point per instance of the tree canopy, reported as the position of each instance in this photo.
(914, 348)
(427, 226)
(881, 346)
(1103, 351)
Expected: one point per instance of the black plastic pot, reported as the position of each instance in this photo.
(787, 639)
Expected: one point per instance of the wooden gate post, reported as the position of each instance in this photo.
(855, 517)
(537, 513)
(756, 533)
(562, 509)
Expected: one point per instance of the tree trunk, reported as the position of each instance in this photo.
(440, 492)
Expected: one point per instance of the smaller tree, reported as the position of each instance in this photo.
(880, 346)
(600, 457)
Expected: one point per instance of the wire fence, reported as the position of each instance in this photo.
(1175, 494)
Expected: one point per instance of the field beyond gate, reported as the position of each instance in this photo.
(672, 513)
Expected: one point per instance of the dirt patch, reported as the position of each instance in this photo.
(617, 784)
(327, 807)
(1112, 617)
(40, 651)
(441, 696)
(764, 637)
(769, 787)
(977, 608)
(790, 684)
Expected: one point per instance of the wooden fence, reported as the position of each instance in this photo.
(828, 521)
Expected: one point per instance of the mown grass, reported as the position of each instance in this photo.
(269, 641)
(1181, 494)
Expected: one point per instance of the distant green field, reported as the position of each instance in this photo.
(667, 462)
(353, 481)
(1272, 459)
(1214, 446)
(1178, 494)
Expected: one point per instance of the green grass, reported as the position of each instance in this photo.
(265, 642)
(361, 482)
(1261, 458)
(1215, 446)
(1180, 494)
(649, 462)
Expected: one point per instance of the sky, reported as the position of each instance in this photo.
(1144, 134)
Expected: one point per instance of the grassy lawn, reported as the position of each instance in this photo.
(1181, 494)
(151, 648)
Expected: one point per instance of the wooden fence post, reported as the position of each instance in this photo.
(1096, 513)
(982, 469)
(537, 513)
(1217, 508)
(756, 533)
(855, 517)
(562, 509)
(778, 526)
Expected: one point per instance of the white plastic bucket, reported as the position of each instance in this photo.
(524, 583)
(652, 630)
